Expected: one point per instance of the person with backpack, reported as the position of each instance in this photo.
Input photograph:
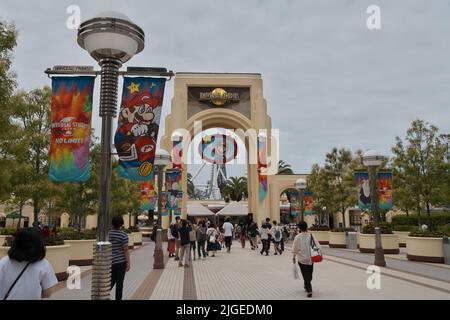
(264, 233)
(212, 234)
(253, 234)
(277, 234)
(25, 274)
(201, 239)
(301, 249)
(185, 243)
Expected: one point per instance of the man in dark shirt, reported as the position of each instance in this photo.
(185, 243)
(120, 255)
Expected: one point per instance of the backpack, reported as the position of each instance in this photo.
(201, 234)
(277, 234)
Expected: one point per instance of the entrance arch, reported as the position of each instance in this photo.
(241, 106)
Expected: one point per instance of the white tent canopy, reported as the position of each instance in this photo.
(198, 210)
(233, 209)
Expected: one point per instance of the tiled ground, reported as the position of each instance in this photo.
(245, 274)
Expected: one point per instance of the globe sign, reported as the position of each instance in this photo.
(218, 148)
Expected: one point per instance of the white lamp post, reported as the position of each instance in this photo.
(372, 159)
(162, 159)
(300, 184)
(111, 39)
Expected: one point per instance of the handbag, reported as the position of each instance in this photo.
(295, 270)
(15, 281)
(316, 254)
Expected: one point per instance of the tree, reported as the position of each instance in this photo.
(30, 116)
(420, 161)
(235, 188)
(7, 85)
(284, 168)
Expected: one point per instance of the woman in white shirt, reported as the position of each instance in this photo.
(25, 274)
(211, 237)
(301, 249)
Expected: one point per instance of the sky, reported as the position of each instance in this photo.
(329, 81)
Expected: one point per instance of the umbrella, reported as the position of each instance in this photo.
(14, 215)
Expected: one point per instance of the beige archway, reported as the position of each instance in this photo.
(248, 113)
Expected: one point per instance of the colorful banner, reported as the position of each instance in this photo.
(148, 196)
(218, 148)
(177, 212)
(71, 113)
(137, 132)
(262, 163)
(294, 201)
(308, 203)
(384, 190)
(177, 154)
(173, 181)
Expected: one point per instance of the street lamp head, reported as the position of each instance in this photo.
(111, 35)
(372, 158)
(300, 184)
(162, 158)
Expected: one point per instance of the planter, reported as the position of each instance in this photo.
(80, 252)
(402, 235)
(137, 236)
(425, 249)
(321, 236)
(337, 239)
(58, 256)
(130, 241)
(389, 242)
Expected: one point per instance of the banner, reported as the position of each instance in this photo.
(384, 190)
(148, 196)
(308, 203)
(177, 212)
(218, 148)
(173, 181)
(71, 113)
(137, 131)
(262, 163)
(294, 200)
(177, 154)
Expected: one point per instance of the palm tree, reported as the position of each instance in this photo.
(235, 188)
(284, 168)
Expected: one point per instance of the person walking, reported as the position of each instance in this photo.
(171, 240)
(120, 255)
(193, 238)
(264, 233)
(25, 274)
(201, 239)
(243, 235)
(301, 249)
(185, 243)
(253, 234)
(212, 235)
(228, 233)
(177, 238)
(276, 233)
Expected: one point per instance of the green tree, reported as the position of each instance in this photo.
(284, 168)
(30, 116)
(235, 188)
(421, 162)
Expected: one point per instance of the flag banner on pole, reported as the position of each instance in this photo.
(71, 113)
(262, 163)
(218, 148)
(363, 187)
(308, 203)
(148, 195)
(294, 202)
(173, 200)
(385, 189)
(177, 212)
(177, 154)
(138, 127)
(173, 181)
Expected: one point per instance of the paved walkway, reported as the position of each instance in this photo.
(244, 274)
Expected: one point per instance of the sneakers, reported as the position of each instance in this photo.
(309, 295)
(275, 253)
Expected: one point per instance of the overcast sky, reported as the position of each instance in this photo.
(328, 80)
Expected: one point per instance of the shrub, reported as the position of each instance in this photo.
(437, 219)
(444, 229)
(402, 228)
(54, 240)
(343, 230)
(319, 228)
(65, 230)
(8, 231)
(427, 233)
(83, 235)
(128, 231)
(134, 229)
(385, 228)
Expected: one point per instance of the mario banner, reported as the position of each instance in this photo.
(71, 113)
(148, 195)
(137, 132)
(384, 190)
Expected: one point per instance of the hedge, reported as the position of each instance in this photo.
(437, 219)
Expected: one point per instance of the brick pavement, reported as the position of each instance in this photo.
(246, 275)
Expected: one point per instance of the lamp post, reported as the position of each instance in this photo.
(300, 184)
(162, 159)
(111, 39)
(372, 159)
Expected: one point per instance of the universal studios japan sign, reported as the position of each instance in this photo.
(219, 97)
